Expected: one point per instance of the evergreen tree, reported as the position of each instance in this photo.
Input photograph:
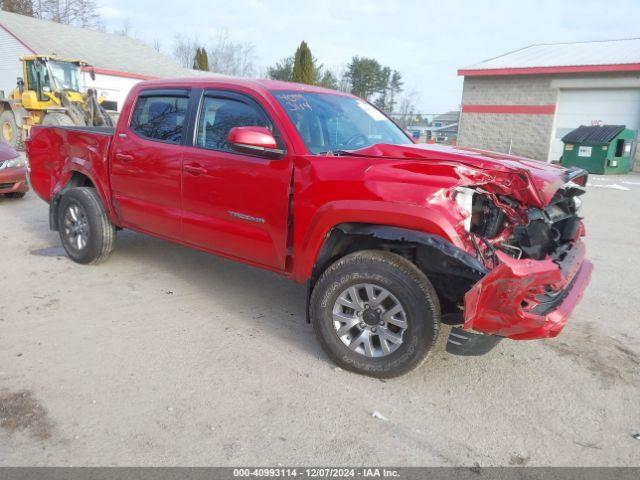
(374, 82)
(201, 60)
(282, 70)
(329, 80)
(303, 71)
(366, 77)
(395, 87)
(204, 62)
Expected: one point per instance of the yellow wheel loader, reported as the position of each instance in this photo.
(49, 94)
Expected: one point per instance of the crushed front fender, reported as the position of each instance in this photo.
(528, 299)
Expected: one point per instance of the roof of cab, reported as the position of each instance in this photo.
(253, 84)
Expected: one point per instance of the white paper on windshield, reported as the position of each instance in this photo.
(375, 114)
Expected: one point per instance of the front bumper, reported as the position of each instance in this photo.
(528, 299)
(13, 180)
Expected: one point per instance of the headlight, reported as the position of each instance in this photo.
(577, 204)
(464, 200)
(482, 216)
(13, 163)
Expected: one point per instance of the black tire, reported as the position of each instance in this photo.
(10, 133)
(101, 233)
(403, 280)
(55, 119)
(15, 194)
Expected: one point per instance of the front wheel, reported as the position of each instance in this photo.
(86, 232)
(375, 313)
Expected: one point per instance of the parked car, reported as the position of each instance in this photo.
(391, 238)
(13, 173)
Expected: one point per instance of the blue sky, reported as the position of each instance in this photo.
(427, 41)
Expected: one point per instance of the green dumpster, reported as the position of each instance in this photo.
(603, 149)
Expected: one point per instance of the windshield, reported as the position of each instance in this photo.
(327, 122)
(65, 75)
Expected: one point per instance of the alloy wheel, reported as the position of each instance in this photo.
(76, 227)
(369, 319)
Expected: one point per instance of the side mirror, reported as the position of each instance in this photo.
(92, 74)
(254, 141)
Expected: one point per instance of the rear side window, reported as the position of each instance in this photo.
(160, 118)
(219, 115)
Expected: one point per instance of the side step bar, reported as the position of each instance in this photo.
(466, 343)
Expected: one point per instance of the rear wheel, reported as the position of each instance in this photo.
(56, 119)
(9, 130)
(375, 313)
(86, 232)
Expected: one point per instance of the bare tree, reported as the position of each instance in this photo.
(184, 50)
(81, 13)
(344, 82)
(100, 26)
(157, 45)
(407, 108)
(126, 30)
(231, 58)
(225, 56)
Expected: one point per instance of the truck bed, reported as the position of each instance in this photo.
(99, 130)
(55, 152)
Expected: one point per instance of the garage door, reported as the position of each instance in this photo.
(594, 107)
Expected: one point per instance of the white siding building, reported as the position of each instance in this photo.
(119, 62)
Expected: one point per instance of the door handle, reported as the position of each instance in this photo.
(195, 169)
(123, 157)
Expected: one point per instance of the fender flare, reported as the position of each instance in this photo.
(470, 266)
(64, 183)
(434, 254)
(430, 240)
(308, 243)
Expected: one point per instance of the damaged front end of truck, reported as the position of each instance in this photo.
(508, 261)
(526, 231)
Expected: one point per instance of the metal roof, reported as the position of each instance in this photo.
(593, 134)
(451, 116)
(110, 52)
(608, 55)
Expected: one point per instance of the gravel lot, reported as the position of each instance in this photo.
(167, 356)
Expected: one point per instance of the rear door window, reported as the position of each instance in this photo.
(160, 118)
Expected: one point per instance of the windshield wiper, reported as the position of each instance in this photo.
(335, 153)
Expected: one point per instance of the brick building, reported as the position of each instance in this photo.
(525, 101)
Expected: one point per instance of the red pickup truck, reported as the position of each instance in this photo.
(392, 238)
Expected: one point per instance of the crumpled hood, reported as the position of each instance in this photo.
(540, 180)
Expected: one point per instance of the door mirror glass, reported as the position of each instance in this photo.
(254, 141)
